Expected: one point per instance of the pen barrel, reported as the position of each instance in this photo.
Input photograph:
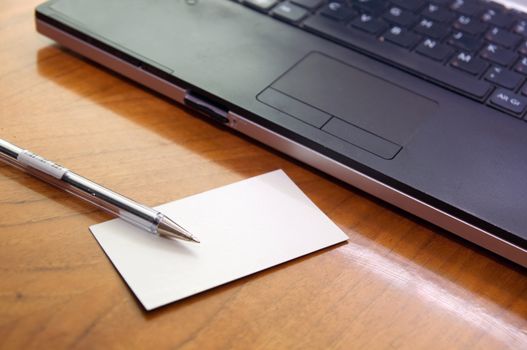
(11, 161)
(136, 214)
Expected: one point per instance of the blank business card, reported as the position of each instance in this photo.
(244, 228)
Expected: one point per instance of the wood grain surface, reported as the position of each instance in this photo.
(397, 283)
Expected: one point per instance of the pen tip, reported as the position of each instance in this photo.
(171, 230)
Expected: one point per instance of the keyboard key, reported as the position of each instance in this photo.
(520, 28)
(431, 29)
(444, 3)
(438, 13)
(524, 89)
(464, 84)
(467, 7)
(372, 7)
(503, 37)
(289, 12)
(499, 55)
(523, 48)
(521, 66)
(411, 5)
(465, 42)
(503, 77)
(434, 50)
(369, 24)
(509, 101)
(518, 14)
(469, 63)
(308, 4)
(497, 18)
(337, 11)
(401, 37)
(470, 25)
(400, 17)
(261, 5)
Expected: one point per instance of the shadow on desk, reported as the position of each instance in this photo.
(380, 256)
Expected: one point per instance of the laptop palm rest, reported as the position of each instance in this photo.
(350, 104)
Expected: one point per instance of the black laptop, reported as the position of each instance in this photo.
(421, 103)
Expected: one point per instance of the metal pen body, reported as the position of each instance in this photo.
(125, 208)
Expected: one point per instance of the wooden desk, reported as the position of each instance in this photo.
(398, 283)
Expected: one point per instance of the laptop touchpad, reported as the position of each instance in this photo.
(349, 103)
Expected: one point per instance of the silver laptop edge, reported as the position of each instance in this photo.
(514, 4)
(391, 195)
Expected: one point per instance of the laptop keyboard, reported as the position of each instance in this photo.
(477, 48)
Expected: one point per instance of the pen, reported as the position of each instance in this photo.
(136, 214)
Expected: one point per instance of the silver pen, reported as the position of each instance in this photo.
(139, 215)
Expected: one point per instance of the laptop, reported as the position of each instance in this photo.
(421, 103)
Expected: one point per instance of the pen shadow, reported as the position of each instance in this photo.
(157, 123)
(161, 245)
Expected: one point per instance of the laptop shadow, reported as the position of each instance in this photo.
(388, 258)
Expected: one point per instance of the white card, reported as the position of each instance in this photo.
(244, 228)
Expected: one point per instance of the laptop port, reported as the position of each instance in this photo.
(210, 109)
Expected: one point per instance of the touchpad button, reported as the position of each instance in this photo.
(355, 97)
